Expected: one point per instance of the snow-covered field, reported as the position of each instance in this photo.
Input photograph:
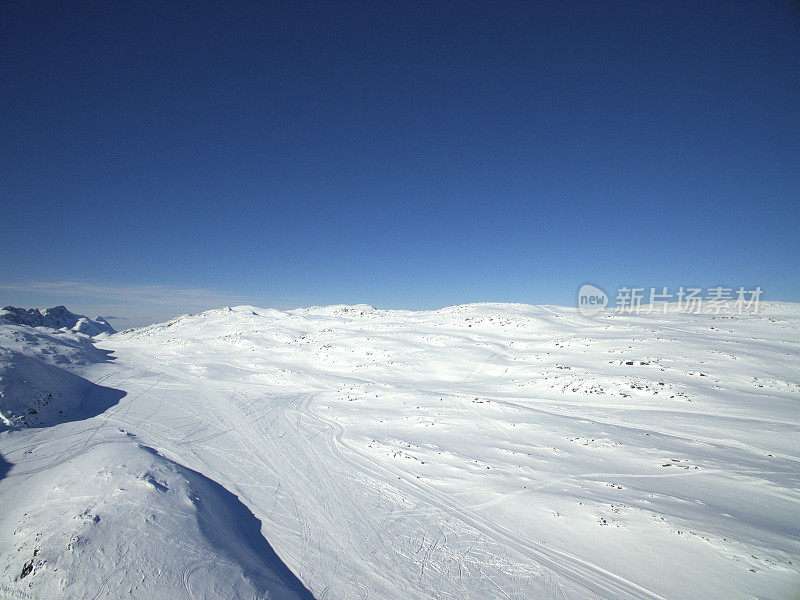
(479, 451)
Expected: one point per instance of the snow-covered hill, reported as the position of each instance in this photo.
(57, 317)
(117, 519)
(478, 451)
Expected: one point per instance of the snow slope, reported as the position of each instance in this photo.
(36, 387)
(91, 516)
(478, 451)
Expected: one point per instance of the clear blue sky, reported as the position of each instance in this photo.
(408, 154)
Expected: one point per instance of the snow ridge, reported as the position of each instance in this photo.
(57, 317)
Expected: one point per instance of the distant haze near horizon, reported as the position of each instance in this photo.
(168, 158)
(143, 316)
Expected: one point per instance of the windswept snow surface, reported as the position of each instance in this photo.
(479, 451)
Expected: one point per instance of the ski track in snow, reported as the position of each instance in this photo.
(484, 451)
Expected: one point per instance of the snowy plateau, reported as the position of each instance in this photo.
(483, 451)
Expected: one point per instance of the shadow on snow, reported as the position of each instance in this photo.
(219, 513)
